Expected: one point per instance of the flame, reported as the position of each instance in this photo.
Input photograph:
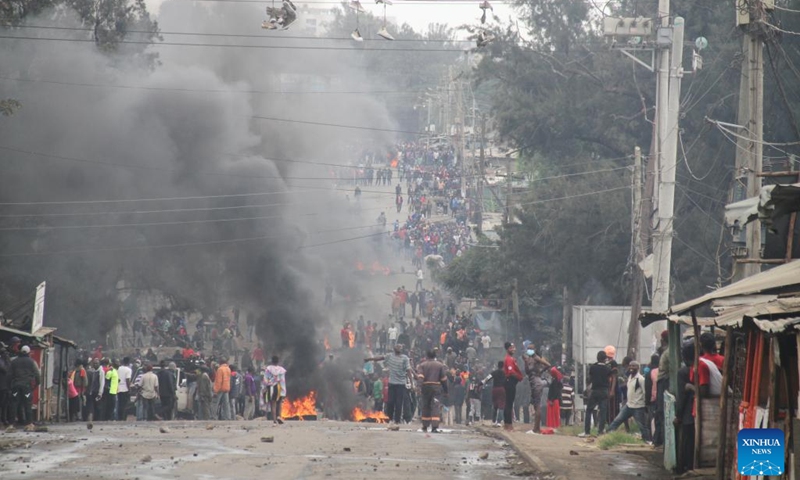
(326, 343)
(359, 415)
(300, 407)
(376, 268)
(351, 338)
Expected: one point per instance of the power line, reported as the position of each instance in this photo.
(335, 125)
(219, 90)
(159, 199)
(181, 245)
(239, 35)
(147, 224)
(536, 202)
(222, 45)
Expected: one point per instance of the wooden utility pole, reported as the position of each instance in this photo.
(750, 16)
(637, 255)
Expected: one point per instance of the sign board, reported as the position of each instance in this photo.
(38, 309)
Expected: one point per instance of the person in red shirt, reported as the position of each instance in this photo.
(258, 356)
(513, 376)
(708, 360)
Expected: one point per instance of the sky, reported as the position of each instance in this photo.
(418, 14)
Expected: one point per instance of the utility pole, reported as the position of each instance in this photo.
(668, 109)
(637, 250)
(515, 304)
(479, 183)
(460, 131)
(509, 189)
(750, 16)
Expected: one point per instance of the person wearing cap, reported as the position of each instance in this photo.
(635, 406)
(25, 377)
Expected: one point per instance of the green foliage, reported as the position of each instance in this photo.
(616, 439)
(8, 106)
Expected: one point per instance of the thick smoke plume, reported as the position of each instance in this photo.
(184, 128)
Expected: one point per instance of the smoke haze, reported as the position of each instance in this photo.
(166, 139)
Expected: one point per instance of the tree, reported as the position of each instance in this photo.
(575, 109)
(8, 106)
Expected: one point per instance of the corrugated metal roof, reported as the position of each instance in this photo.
(771, 280)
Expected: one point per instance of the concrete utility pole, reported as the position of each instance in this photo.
(750, 16)
(637, 250)
(479, 177)
(670, 72)
(509, 191)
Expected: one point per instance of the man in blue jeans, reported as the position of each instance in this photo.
(599, 383)
(399, 367)
(635, 406)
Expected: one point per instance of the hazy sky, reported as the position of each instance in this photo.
(416, 14)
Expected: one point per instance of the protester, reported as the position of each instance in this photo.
(635, 405)
(567, 401)
(25, 377)
(250, 394)
(275, 385)
(124, 372)
(221, 407)
(684, 411)
(399, 367)
(599, 384)
(535, 366)
(554, 399)
(149, 392)
(513, 375)
(167, 390)
(204, 394)
(433, 376)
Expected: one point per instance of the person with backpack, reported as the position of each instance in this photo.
(635, 405)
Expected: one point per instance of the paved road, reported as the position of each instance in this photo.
(234, 450)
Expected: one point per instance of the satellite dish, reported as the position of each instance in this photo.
(701, 43)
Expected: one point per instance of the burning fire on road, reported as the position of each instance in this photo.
(376, 268)
(359, 415)
(304, 408)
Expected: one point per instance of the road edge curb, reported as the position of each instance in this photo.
(529, 458)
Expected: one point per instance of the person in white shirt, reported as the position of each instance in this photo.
(486, 340)
(635, 407)
(124, 388)
(420, 278)
(392, 334)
